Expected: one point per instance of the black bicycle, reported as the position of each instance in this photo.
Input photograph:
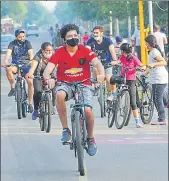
(20, 91)
(118, 109)
(45, 106)
(78, 122)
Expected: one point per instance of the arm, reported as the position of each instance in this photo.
(30, 53)
(7, 56)
(48, 70)
(160, 61)
(96, 62)
(165, 40)
(112, 51)
(34, 65)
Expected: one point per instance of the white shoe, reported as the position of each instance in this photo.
(110, 98)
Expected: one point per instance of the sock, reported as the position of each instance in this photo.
(137, 120)
(113, 93)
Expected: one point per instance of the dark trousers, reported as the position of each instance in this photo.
(158, 95)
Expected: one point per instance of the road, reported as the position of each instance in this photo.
(129, 154)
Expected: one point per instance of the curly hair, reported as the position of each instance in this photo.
(67, 28)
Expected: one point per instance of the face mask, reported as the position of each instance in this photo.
(21, 41)
(72, 42)
(46, 55)
(97, 38)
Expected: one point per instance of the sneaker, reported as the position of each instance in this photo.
(139, 125)
(34, 114)
(11, 92)
(92, 148)
(155, 123)
(66, 135)
(30, 108)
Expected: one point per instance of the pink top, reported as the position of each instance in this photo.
(133, 63)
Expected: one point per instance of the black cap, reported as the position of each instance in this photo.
(18, 31)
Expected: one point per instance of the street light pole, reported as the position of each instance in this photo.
(150, 9)
(117, 27)
(111, 24)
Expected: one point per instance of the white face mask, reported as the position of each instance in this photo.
(97, 38)
(46, 55)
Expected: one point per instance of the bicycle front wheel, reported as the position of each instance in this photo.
(19, 100)
(122, 108)
(79, 142)
(101, 100)
(48, 113)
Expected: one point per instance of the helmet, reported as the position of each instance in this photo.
(18, 31)
(125, 47)
(119, 39)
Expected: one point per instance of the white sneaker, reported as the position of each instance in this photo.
(110, 98)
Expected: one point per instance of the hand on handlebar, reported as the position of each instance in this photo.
(151, 65)
(50, 83)
(115, 62)
(5, 65)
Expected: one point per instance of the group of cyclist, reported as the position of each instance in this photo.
(72, 63)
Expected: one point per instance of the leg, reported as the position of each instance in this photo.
(36, 100)
(63, 93)
(158, 93)
(10, 75)
(133, 102)
(30, 90)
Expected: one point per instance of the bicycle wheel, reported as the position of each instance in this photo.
(24, 109)
(128, 118)
(147, 105)
(73, 143)
(111, 113)
(42, 118)
(104, 99)
(19, 100)
(79, 143)
(122, 108)
(48, 113)
(101, 100)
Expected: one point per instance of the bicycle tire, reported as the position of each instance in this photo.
(24, 109)
(73, 131)
(105, 97)
(18, 100)
(79, 145)
(147, 120)
(111, 112)
(41, 117)
(48, 113)
(118, 109)
(128, 118)
(101, 101)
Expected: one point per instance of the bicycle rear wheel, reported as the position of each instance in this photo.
(122, 108)
(111, 113)
(48, 113)
(19, 100)
(101, 100)
(147, 105)
(79, 143)
(42, 118)
(24, 109)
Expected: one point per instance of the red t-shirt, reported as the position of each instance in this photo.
(131, 73)
(73, 68)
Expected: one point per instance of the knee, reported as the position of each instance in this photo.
(30, 83)
(88, 111)
(60, 96)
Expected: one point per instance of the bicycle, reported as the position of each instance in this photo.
(45, 107)
(20, 91)
(78, 123)
(115, 109)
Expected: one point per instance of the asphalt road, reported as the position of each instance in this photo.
(129, 154)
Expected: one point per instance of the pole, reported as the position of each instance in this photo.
(117, 27)
(135, 22)
(142, 37)
(129, 29)
(150, 9)
(111, 24)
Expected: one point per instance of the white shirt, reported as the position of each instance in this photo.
(160, 37)
(136, 36)
(158, 75)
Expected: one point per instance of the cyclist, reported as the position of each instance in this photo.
(73, 62)
(38, 66)
(158, 77)
(119, 42)
(131, 61)
(104, 49)
(22, 52)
